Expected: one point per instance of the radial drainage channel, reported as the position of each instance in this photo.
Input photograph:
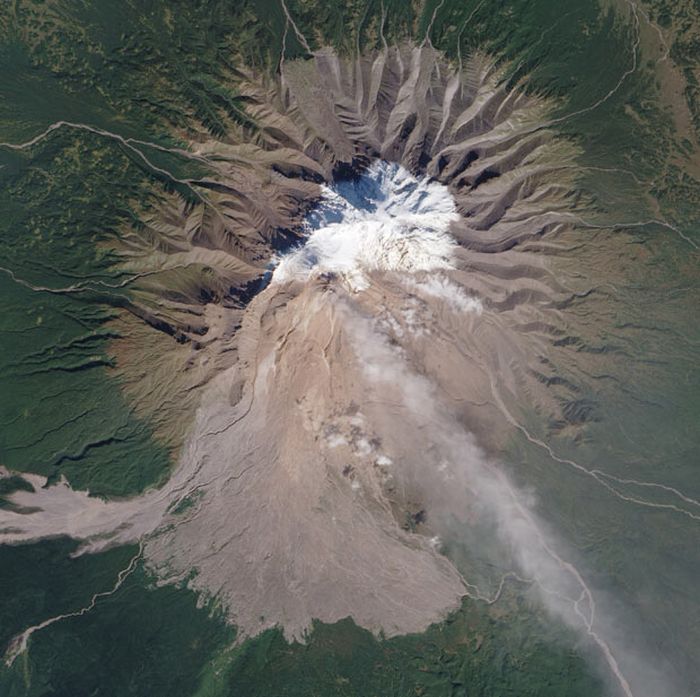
(384, 219)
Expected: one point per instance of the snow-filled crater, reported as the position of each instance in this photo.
(385, 219)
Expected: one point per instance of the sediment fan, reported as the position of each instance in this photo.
(340, 431)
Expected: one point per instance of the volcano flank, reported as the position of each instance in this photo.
(338, 328)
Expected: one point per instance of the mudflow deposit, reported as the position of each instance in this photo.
(381, 268)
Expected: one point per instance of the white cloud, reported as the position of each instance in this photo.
(444, 289)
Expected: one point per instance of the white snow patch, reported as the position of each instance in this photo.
(386, 220)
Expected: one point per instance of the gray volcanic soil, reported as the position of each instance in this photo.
(340, 422)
